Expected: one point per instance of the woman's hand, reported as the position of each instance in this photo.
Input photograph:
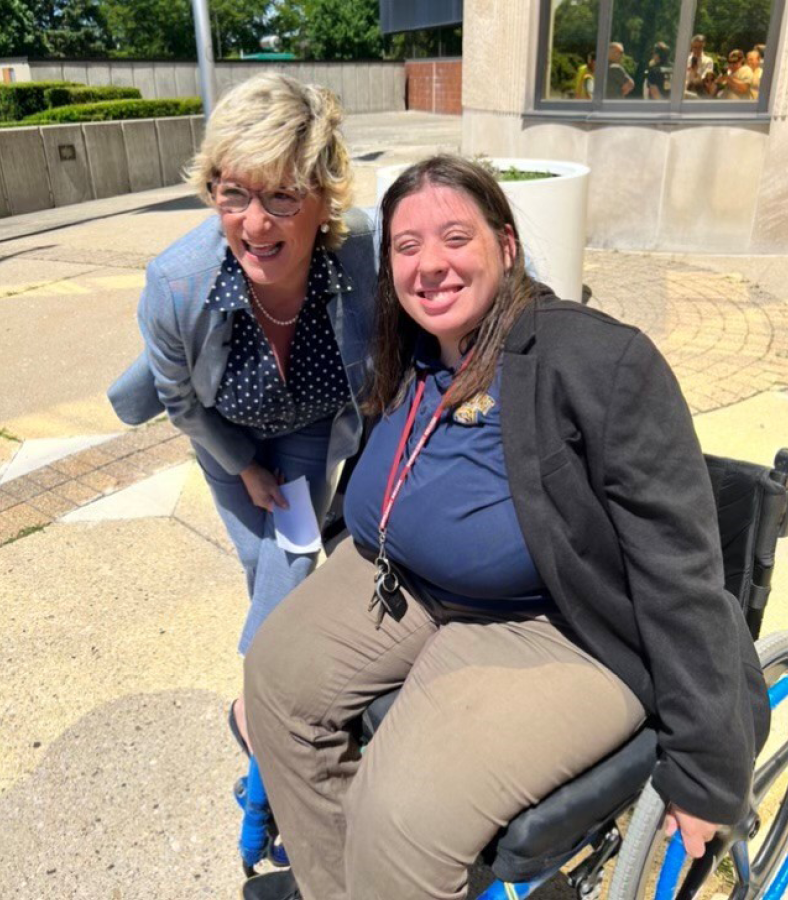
(695, 833)
(263, 487)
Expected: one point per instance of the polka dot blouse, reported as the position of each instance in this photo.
(252, 392)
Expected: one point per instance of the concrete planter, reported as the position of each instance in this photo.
(550, 215)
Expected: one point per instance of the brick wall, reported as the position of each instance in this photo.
(434, 85)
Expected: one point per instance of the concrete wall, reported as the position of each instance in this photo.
(61, 164)
(362, 86)
(717, 188)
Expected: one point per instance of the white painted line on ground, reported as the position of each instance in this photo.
(154, 497)
(40, 452)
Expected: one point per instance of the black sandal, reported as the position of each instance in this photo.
(236, 731)
(272, 886)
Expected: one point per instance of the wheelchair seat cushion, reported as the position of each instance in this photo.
(559, 824)
(556, 827)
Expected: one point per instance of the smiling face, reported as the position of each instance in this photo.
(274, 251)
(447, 263)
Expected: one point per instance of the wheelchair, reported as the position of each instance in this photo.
(611, 812)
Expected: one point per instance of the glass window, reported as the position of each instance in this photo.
(641, 53)
(571, 60)
(727, 50)
(721, 57)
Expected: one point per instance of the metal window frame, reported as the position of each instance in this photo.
(677, 108)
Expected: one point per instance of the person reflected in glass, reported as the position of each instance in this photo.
(584, 83)
(705, 88)
(619, 81)
(755, 62)
(659, 73)
(736, 83)
(699, 64)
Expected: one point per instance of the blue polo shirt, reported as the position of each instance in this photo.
(453, 525)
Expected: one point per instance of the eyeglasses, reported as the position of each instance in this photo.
(232, 198)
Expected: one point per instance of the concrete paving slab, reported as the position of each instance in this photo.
(117, 769)
(154, 496)
(36, 454)
(196, 510)
(68, 418)
(754, 429)
(55, 336)
(123, 623)
(17, 275)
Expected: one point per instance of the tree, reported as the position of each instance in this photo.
(165, 28)
(18, 34)
(75, 28)
(238, 25)
(53, 28)
(288, 21)
(151, 28)
(328, 29)
(733, 24)
(575, 27)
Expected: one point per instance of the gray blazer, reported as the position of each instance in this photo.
(187, 345)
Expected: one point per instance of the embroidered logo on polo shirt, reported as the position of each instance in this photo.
(472, 410)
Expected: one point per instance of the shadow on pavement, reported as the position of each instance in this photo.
(27, 250)
(178, 205)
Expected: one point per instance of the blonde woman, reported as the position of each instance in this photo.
(256, 323)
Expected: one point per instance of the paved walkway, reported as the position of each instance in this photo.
(120, 596)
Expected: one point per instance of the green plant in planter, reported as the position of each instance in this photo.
(510, 174)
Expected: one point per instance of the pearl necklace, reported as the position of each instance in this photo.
(263, 310)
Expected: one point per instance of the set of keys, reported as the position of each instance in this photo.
(387, 597)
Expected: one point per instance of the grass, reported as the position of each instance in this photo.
(23, 533)
(510, 174)
(515, 174)
(6, 435)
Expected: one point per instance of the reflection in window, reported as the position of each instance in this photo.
(727, 50)
(642, 63)
(571, 62)
(641, 54)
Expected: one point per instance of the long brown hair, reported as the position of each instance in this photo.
(396, 332)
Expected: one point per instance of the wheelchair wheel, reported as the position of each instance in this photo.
(748, 865)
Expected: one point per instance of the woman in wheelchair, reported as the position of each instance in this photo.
(533, 558)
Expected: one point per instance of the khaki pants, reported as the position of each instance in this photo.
(493, 716)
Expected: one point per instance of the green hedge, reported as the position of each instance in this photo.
(69, 96)
(117, 109)
(17, 101)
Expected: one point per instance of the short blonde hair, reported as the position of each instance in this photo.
(271, 129)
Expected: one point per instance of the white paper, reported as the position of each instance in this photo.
(296, 528)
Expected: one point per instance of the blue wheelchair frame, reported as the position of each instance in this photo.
(256, 839)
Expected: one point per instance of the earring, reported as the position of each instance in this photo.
(324, 228)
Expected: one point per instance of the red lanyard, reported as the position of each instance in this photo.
(392, 488)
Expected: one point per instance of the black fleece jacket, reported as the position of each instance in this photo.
(615, 503)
